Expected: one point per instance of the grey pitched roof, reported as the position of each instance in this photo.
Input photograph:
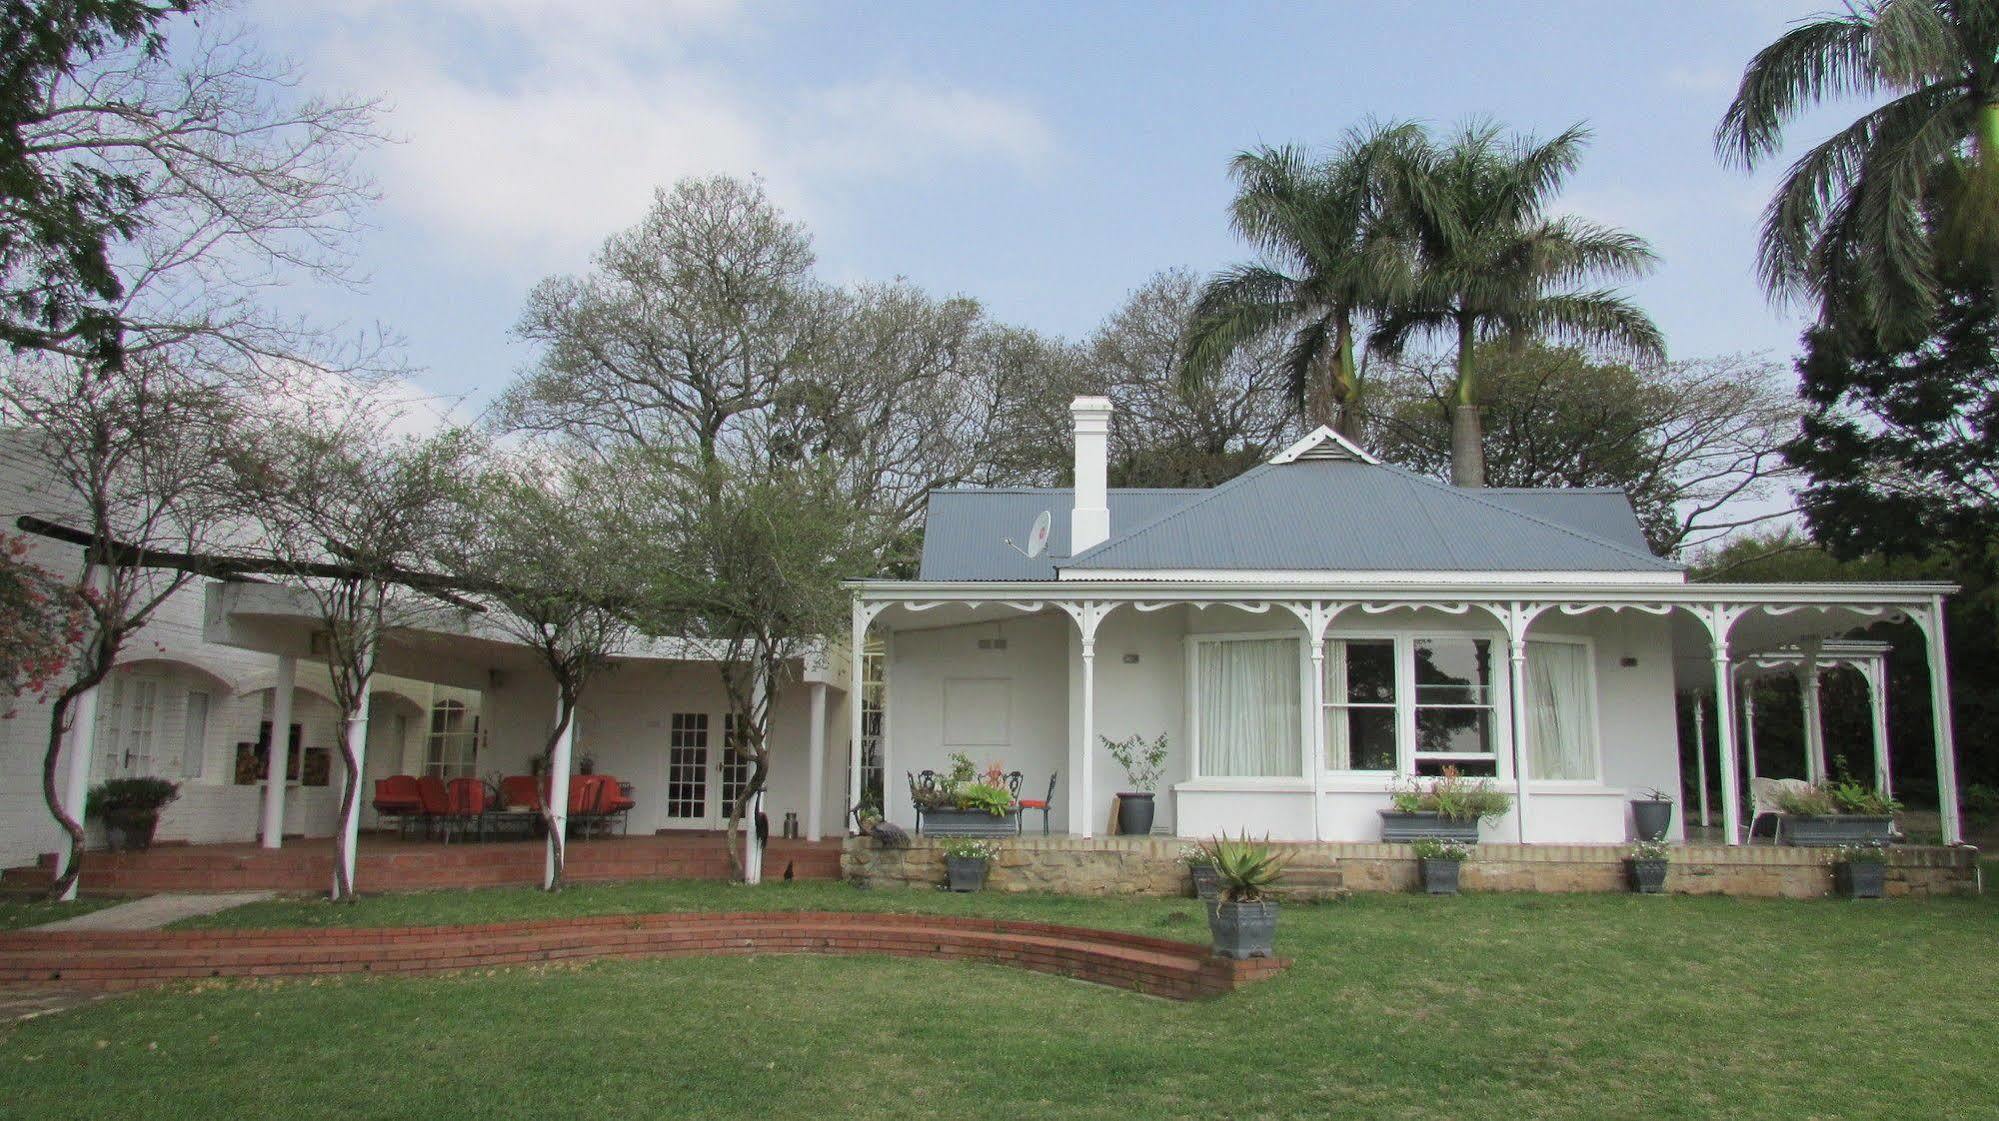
(964, 529)
(1598, 511)
(1343, 515)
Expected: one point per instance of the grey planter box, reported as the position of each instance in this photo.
(1860, 881)
(1648, 877)
(1243, 930)
(1829, 832)
(969, 823)
(1207, 885)
(1440, 877)
(1401, 828)
(966, 873)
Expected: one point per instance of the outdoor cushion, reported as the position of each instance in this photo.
(466, 796)
(397, 794)
(521, 790)
(435, 801)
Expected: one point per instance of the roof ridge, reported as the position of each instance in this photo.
(1470, 494)
(1211, 493)
(1556, 490)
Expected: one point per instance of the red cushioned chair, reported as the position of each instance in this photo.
(521, 790)
(436, 803)
(618, 804)
(586, 802)
(465, 805)
(1042, 804)
(397, 796)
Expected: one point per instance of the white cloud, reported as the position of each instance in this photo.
(528, 131)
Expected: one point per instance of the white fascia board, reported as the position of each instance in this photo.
(1320, 435)
(998, 591)
(1372, 577)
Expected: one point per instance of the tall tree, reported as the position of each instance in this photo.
(347, 512)
(548, 541)
(1863, 221)
(1697, 445)
(1328, 261)
(133, 464)
(1901, 441)
(1492, 264)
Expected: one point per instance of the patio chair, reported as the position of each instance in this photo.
(1041, 804)
(586, 803)
(436, 802)
(397, 796)
(618, 803)
(465, 806)
(1763, 797)
(922, 785)
(521, 790)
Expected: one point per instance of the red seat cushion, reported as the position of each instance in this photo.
(521, 790)
(466, 796)
(1033, 804)
(397, 794)
(435, 800)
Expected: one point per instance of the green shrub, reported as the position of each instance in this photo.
(1452, 797)
(1831, 799)
(995, 800)
(1143, 762)
(972, 848)
(130, 797)
(1859, 854)
(1245, 868)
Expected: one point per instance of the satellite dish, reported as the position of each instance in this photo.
(1037, 536)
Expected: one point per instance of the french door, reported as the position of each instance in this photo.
(703, 780)
(128, 723)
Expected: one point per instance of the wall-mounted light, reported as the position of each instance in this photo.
(1628, 662)
(1131, 659)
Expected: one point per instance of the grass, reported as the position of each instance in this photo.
(1493, 1006)
(18, 914)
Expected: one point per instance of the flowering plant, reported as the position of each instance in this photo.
(972, 848)
(1650, 850)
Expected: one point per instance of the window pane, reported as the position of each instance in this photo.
(1454, 729)
(1560, 742)
(194, 747)
(1249, 708)
(1361, 672)
(1360, 739)
(1453, 671)
(1468, 768)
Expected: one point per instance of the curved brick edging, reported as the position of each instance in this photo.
(103, 960)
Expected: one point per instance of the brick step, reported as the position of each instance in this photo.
(126, 960)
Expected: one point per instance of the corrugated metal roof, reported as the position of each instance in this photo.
(964, 529)
(1331, 516)
(1598, 511)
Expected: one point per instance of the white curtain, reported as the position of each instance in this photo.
(1249, 708)
(1558, 734)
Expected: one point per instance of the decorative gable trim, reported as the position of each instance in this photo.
(1324, 443)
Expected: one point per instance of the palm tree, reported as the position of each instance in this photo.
(1861, 220)
(1491, 264)
(1326, 261)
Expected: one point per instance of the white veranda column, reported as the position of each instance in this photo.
(1720, 620)
(76, 772)
(1932, 623)
(1877, 710)
(1749, 728)
(1315, 750)
(857, 635)
(558, 789)
(277, 757)
(1516, 685)
(815, 789)
(1700, 752)
(1809, 705)
(357, 746)
(753, 853)
(1082, 788)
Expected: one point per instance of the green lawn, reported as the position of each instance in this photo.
(1497, 1006)
(16, 914)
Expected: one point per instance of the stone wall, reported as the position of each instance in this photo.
(1129, 866)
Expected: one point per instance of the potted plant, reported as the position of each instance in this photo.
(130, 809)
(1447, 808)
(1647, 867)
(1143, 763)
(586, 764)
(1832, 814)
(1651, 815)
(1242, 919)
(965, 803)
(1201, 867)
(1860, 871)
(966, 860)
(1440, 863)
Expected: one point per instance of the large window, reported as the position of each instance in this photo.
(874, 697)
(1454, 712)
(194, 735)
(1360, 704)
(452, 748)
(1560, 744)
(1247, 718)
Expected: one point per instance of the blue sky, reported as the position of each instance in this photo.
(1043, 158)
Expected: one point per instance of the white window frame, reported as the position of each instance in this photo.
(1328, 705)
(1405, 637)
(1194, 642)
(193, 747)
(1497, 680)
(1593, 721)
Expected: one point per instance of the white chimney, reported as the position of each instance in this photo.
(1090, 521)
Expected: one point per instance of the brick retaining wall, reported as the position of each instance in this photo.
(102, 960)
(1149, 866)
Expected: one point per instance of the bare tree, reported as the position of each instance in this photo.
(347, 513)
(219, 180)
(547, 540)
(133, 462)
(1696, 444)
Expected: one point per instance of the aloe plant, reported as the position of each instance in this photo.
(1245, 868)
